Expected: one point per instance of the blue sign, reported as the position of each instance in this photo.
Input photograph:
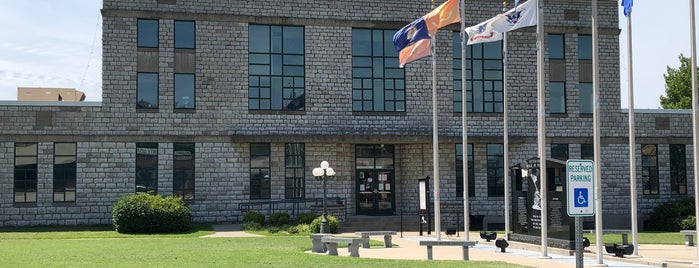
(581, 197)
(580, 187)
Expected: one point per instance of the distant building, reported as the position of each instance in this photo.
(49, 94)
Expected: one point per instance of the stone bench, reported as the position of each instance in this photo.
(387, 235)
(688, 237)
(624, 234)
(431, 243)
(318, 246)
(352, 244)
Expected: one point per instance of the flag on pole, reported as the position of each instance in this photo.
(410, 40)
(627, 4)
(492, 29)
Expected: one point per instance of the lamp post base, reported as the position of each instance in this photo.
(324, 226)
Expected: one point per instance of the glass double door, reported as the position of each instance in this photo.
(375, 192)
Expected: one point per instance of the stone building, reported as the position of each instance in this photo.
(231, 104)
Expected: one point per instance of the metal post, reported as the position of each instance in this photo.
(505, 134)
(541, 123)
(578, 242)
(632, 143)
(596, 135)
(695, 116)
(324, 226)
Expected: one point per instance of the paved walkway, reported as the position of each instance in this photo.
(407, 246)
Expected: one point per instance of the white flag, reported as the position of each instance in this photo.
(492, 29)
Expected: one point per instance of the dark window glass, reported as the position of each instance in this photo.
(556, 46)
(378, 83)
(587, 151)
(484, 71)
(557, 96)
(184, 91)
(586, 98)
(26, 170)
(147, 33)
(276, 75)
(184, 34)
(585, 47)
(183, 170)
(147, 94)
(294, 178)
(496, 181)
(259, 171)
(460, 172)
(147, 167)
(374, 156)
(678, 169)
(649, 163)
(559, 151)
(64, 171)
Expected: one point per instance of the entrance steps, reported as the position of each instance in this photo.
(380, 223)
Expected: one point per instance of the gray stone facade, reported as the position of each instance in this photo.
(222, 126)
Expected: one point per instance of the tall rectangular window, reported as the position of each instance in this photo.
(26, 170)
(649, 162)
(556, 46)
(460, 171)
(587, 151)
(586, 98)
(147, 91)
(484, 71)
(294, 177)
(496, 181)
(183, 170)
(378, 82)
(147, 33)
(64, 171)
(259, 171)
(557, 97)
(184, 91)
(185, 34)
(147, 167)
(585, 47)
(559, 151)
(678, 169)
(276, 68)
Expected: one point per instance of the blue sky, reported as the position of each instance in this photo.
(57, 43)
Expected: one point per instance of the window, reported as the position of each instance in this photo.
(678, 169)
(64, 171)
(276, 68)
(556, 46)
(26, 171)
(460, 171)
(183, 170)
(259, 171)
(294, 178)
(585, 47)
(147, 167)
(147, 33)
(587, 151)
(484, 72)
(586, 98)
(649, 161)
(559, 151)
(184, 91)
(557, 97)
(147, 91)
(184, 34)
(496, 181)
(378, 83)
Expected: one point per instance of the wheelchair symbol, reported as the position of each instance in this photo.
(580, 197)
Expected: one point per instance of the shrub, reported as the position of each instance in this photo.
(300, 228)
(306, 218)
(252, 226)
(279, 219)
(332, 222)
(689, 223)
(669, 215)
(147, 213)
(254, 216)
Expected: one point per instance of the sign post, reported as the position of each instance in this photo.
(580, 198)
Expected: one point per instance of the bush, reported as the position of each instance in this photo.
(147, 213)
(332, 222)
(252, 226)
(279, 219)
(689, 223)
(306, 218)
(254, 217)
(669, 215)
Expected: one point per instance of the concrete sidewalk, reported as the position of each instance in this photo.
(407, 246)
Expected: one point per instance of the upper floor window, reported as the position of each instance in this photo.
(556, 46)
(183, 170)
(147, 167)
(678, 169)
(484, 70)
(147, 91)
(147, 33)
(184, 34)
(294, 178)
(276, 68)
(64, 171)
(587, 151)
(585, 47)
(649, 163)
(586, 98)
(378, 82)
(259, 171)
(26, 172)
(184, 91)
(557, 97)
(559, 151)
(460, 171)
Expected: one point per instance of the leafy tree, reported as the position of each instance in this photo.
(678, 85)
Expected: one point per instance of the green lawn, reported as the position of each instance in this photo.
(102, 247)
(667, 238)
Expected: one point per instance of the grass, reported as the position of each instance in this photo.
(100, 246)
(666, 238)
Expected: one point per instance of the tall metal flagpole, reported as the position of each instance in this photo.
(505, 134)
(596, 134)
(695, 116)
(464, 127)
(632, 142)
(542, 127)
(435, 139)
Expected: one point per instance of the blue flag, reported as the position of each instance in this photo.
(627, 4)
(411, 33)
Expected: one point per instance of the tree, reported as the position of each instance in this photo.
(678, 84)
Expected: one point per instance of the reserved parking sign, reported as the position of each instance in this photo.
(581, 187)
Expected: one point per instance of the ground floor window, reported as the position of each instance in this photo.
(183, 170)
(496, 181)
(64, 171)
(259, 171)
(147, 167)
(294, 179)
(678, 169)
(26, 170)
(649, 163)
(460, 171)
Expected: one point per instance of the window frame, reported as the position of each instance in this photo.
(30, 174)
(557, 52)
(178, 90)
(140, 89)
(491, 91)
(460, 171)
(496, 184)
(649, 170)
(179, 33)
(678, 169)
(586, 87)
(260, 175)
(183, 173)
(143, 167)
(141, 34)
(294, 171)
(65, 175)
(563, 109)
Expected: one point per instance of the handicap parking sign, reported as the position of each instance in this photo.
(581, 187)
(580, 197)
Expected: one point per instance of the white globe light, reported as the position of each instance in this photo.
(330, 172)
(324, 165)
(317, 172)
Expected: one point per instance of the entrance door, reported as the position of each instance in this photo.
(375, 192)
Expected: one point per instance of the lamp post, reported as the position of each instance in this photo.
(322, 173)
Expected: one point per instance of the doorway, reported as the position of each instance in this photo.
(375, 180)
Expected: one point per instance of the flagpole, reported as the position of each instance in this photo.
(464, 127)
(505, 134)
(542, 128)
(435, 139)
(632, 142)
(596, 135)
(695, 117)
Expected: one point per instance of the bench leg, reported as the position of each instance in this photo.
(624, 239)
(353, 249)
(689, 240)
(332, 248)
(365, 241)
(429, 252)
(318, 246)
(465, 248)
(387, 241)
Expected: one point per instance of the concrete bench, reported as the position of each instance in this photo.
(688, 237)
(624, 234)
(387, 235)
(431, 243)
(352, 244)
(318, 246)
